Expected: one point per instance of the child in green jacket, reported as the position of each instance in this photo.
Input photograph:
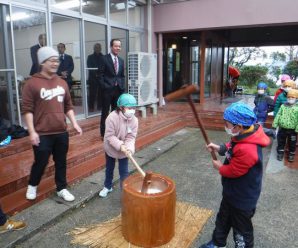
(282, 98)
(287, 121)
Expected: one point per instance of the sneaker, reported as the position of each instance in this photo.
(104, 192)
(11, 225)
(31, 192)
(280, 156)
(210, 244)
(66, 195)
(6, 141)
(291, 157)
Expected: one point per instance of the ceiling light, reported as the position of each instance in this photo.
(17, 16)
(120, 6)
(174, 46)
(69, 4)
(184, 37)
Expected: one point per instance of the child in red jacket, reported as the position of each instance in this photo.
(241, 173)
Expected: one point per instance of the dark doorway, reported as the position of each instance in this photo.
(180, 61)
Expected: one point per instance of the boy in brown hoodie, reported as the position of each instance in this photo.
(46, 101)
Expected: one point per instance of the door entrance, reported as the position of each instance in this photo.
(181, 62)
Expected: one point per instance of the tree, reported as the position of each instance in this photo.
(275, 71)
(251, 75)
(238, 56)
(291, 69)
(292, 52)
(278, 56)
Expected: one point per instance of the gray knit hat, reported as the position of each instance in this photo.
(45, 53)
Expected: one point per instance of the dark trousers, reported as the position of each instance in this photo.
(282, 137)
(239, 220)
(110, 166)
(56, 144)
(109, 99)
(3, 218)
(94, 94)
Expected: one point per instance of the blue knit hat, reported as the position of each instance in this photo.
(262, 85)
(240, 114)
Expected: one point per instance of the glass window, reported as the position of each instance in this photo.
(73, 5)
(29, 29)
(208, 59)
(95, 7)
(6, 59)
(135, 41)
(194, 60)
(68, 46)
(95, 47)
(118, 11)
(26, 1)
(8, 94)
(135, 14)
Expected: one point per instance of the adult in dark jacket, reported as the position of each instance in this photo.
(93, 63)
(42, 41)
(66, 65)
(241, 173)
(112, 81)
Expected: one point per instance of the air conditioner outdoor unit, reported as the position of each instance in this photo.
(142, 77)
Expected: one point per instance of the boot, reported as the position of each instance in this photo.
(280, 156)
(291, 157)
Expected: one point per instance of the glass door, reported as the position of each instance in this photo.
(66, 39)
(9, 107)
(29, 31)
(95, 49)
(194, 61)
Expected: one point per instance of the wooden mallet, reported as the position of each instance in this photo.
(146, 175)
(187, 91)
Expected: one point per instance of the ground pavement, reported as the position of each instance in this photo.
(181, 156)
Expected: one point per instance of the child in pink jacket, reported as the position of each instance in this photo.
(119, 140)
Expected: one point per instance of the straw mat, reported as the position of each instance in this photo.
(190, 220)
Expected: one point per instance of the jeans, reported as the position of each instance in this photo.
(239, 220)
(3, 218)
(56, 144)
(110, 166)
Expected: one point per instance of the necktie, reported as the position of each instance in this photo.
(115, 65)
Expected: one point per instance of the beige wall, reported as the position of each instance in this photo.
(201, 14)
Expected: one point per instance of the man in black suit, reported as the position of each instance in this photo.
(94, 61)
(42, 41)
(66, 65)
(112, 81)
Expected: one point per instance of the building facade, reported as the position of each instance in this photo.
(191, 38)
(79, 24)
